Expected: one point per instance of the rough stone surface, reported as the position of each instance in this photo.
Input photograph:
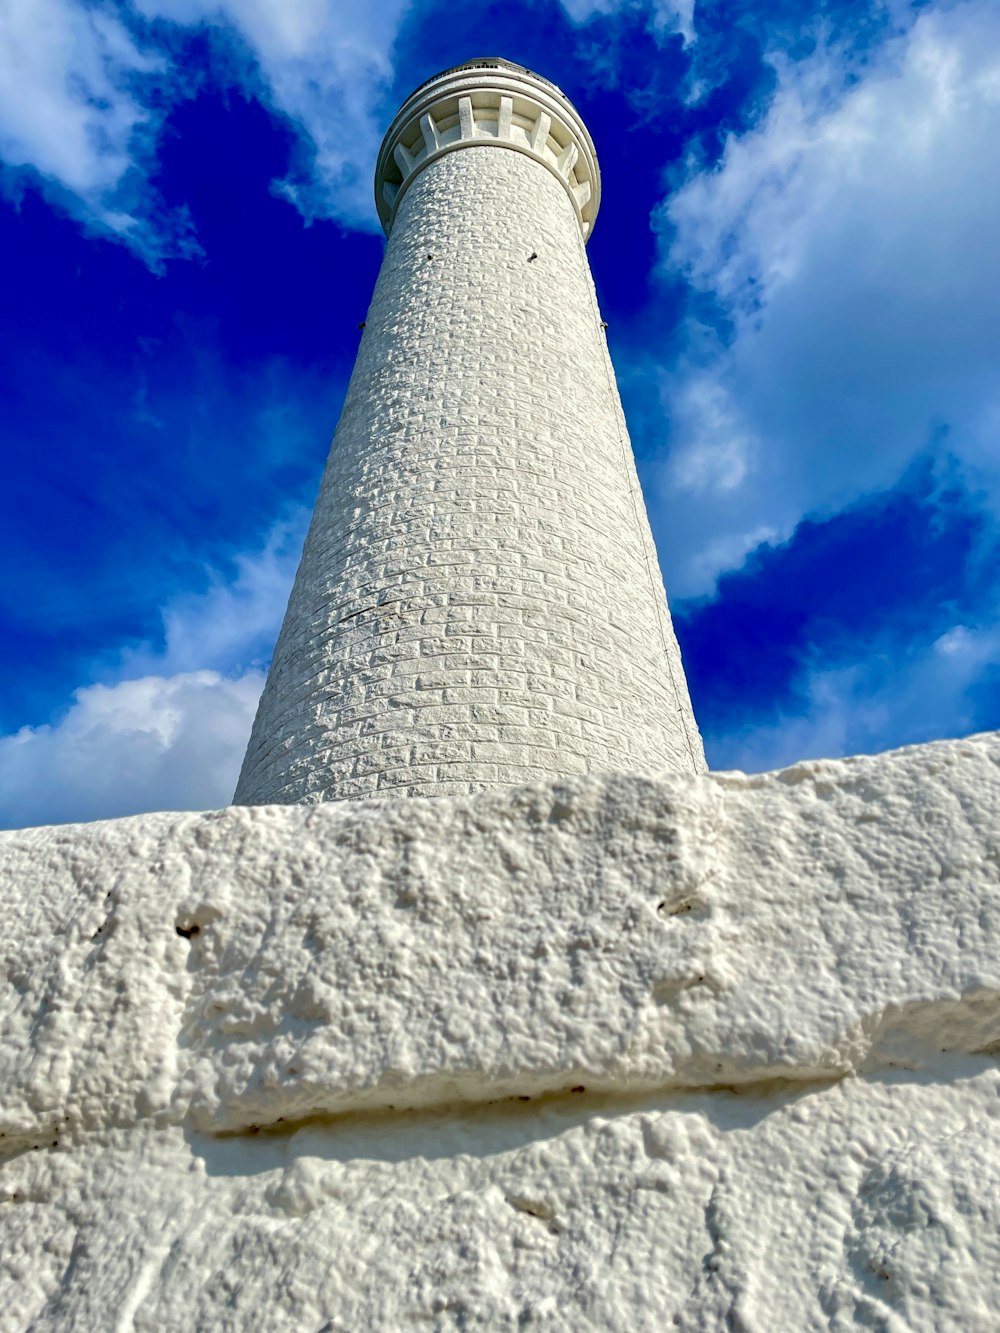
(615, 1052)
(479, 601)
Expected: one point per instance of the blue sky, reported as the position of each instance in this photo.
(797, 256)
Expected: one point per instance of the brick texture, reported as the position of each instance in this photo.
(479, 601)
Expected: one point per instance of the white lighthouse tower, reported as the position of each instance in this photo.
(479, 601)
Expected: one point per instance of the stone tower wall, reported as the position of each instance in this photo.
(479, 601)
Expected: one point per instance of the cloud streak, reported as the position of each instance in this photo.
(920, 694)
(234, 622)
(71, 102)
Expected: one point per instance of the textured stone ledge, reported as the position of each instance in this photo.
(250, 966)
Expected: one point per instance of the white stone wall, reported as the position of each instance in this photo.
(699, 1052)
(479, 601)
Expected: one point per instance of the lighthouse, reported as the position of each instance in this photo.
(479, 601)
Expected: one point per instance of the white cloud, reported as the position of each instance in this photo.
(147, 744)
(69, 103)
(890, 698)
(326, 64)
(850, 240)
(80, 105)
(169, 728)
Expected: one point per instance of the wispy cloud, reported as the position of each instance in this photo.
(884, 697)
(234, 622)
(843, 270)
(665, 16)
(84, 89)
(327, 66)
(72, 102)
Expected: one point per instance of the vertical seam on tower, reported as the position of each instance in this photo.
(619, 422)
